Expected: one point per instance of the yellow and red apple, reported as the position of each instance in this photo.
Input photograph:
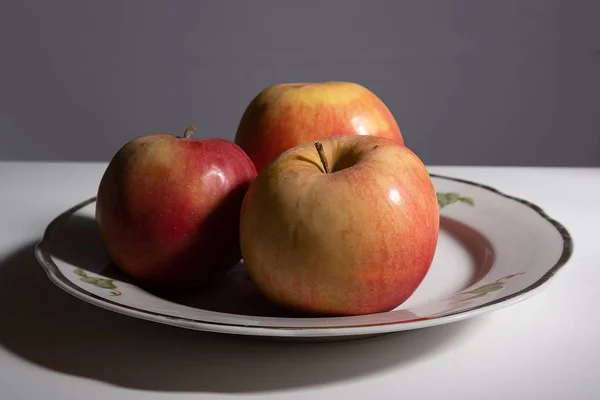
(285, 115)
(347, 228)
(168, 208)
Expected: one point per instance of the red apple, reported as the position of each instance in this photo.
(285, 115)
(168, 208)
(355, 240)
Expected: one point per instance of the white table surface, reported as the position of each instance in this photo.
(53, 346)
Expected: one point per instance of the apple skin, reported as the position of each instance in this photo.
(168, 208)
(285, 115)
(359, 240)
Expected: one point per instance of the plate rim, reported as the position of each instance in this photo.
(43, 256)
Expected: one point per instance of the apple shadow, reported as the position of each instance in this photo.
(48, 327)
(77, 242)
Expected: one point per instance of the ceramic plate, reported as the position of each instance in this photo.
(494, 250)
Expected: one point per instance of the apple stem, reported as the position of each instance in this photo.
(189, 131)
(319, 147)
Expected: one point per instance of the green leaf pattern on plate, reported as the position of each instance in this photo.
(102, 283)
(445, 199)
(487, 288)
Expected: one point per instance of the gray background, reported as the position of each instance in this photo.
(470, 82)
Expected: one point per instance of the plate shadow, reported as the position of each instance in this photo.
(50, 328)
(479, 246)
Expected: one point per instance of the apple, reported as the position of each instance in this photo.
(285, 115)
(168, 208)
(344, 226)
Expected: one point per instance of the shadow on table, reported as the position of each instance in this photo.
(48, 327)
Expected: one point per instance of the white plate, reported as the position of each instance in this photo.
(494, 250)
